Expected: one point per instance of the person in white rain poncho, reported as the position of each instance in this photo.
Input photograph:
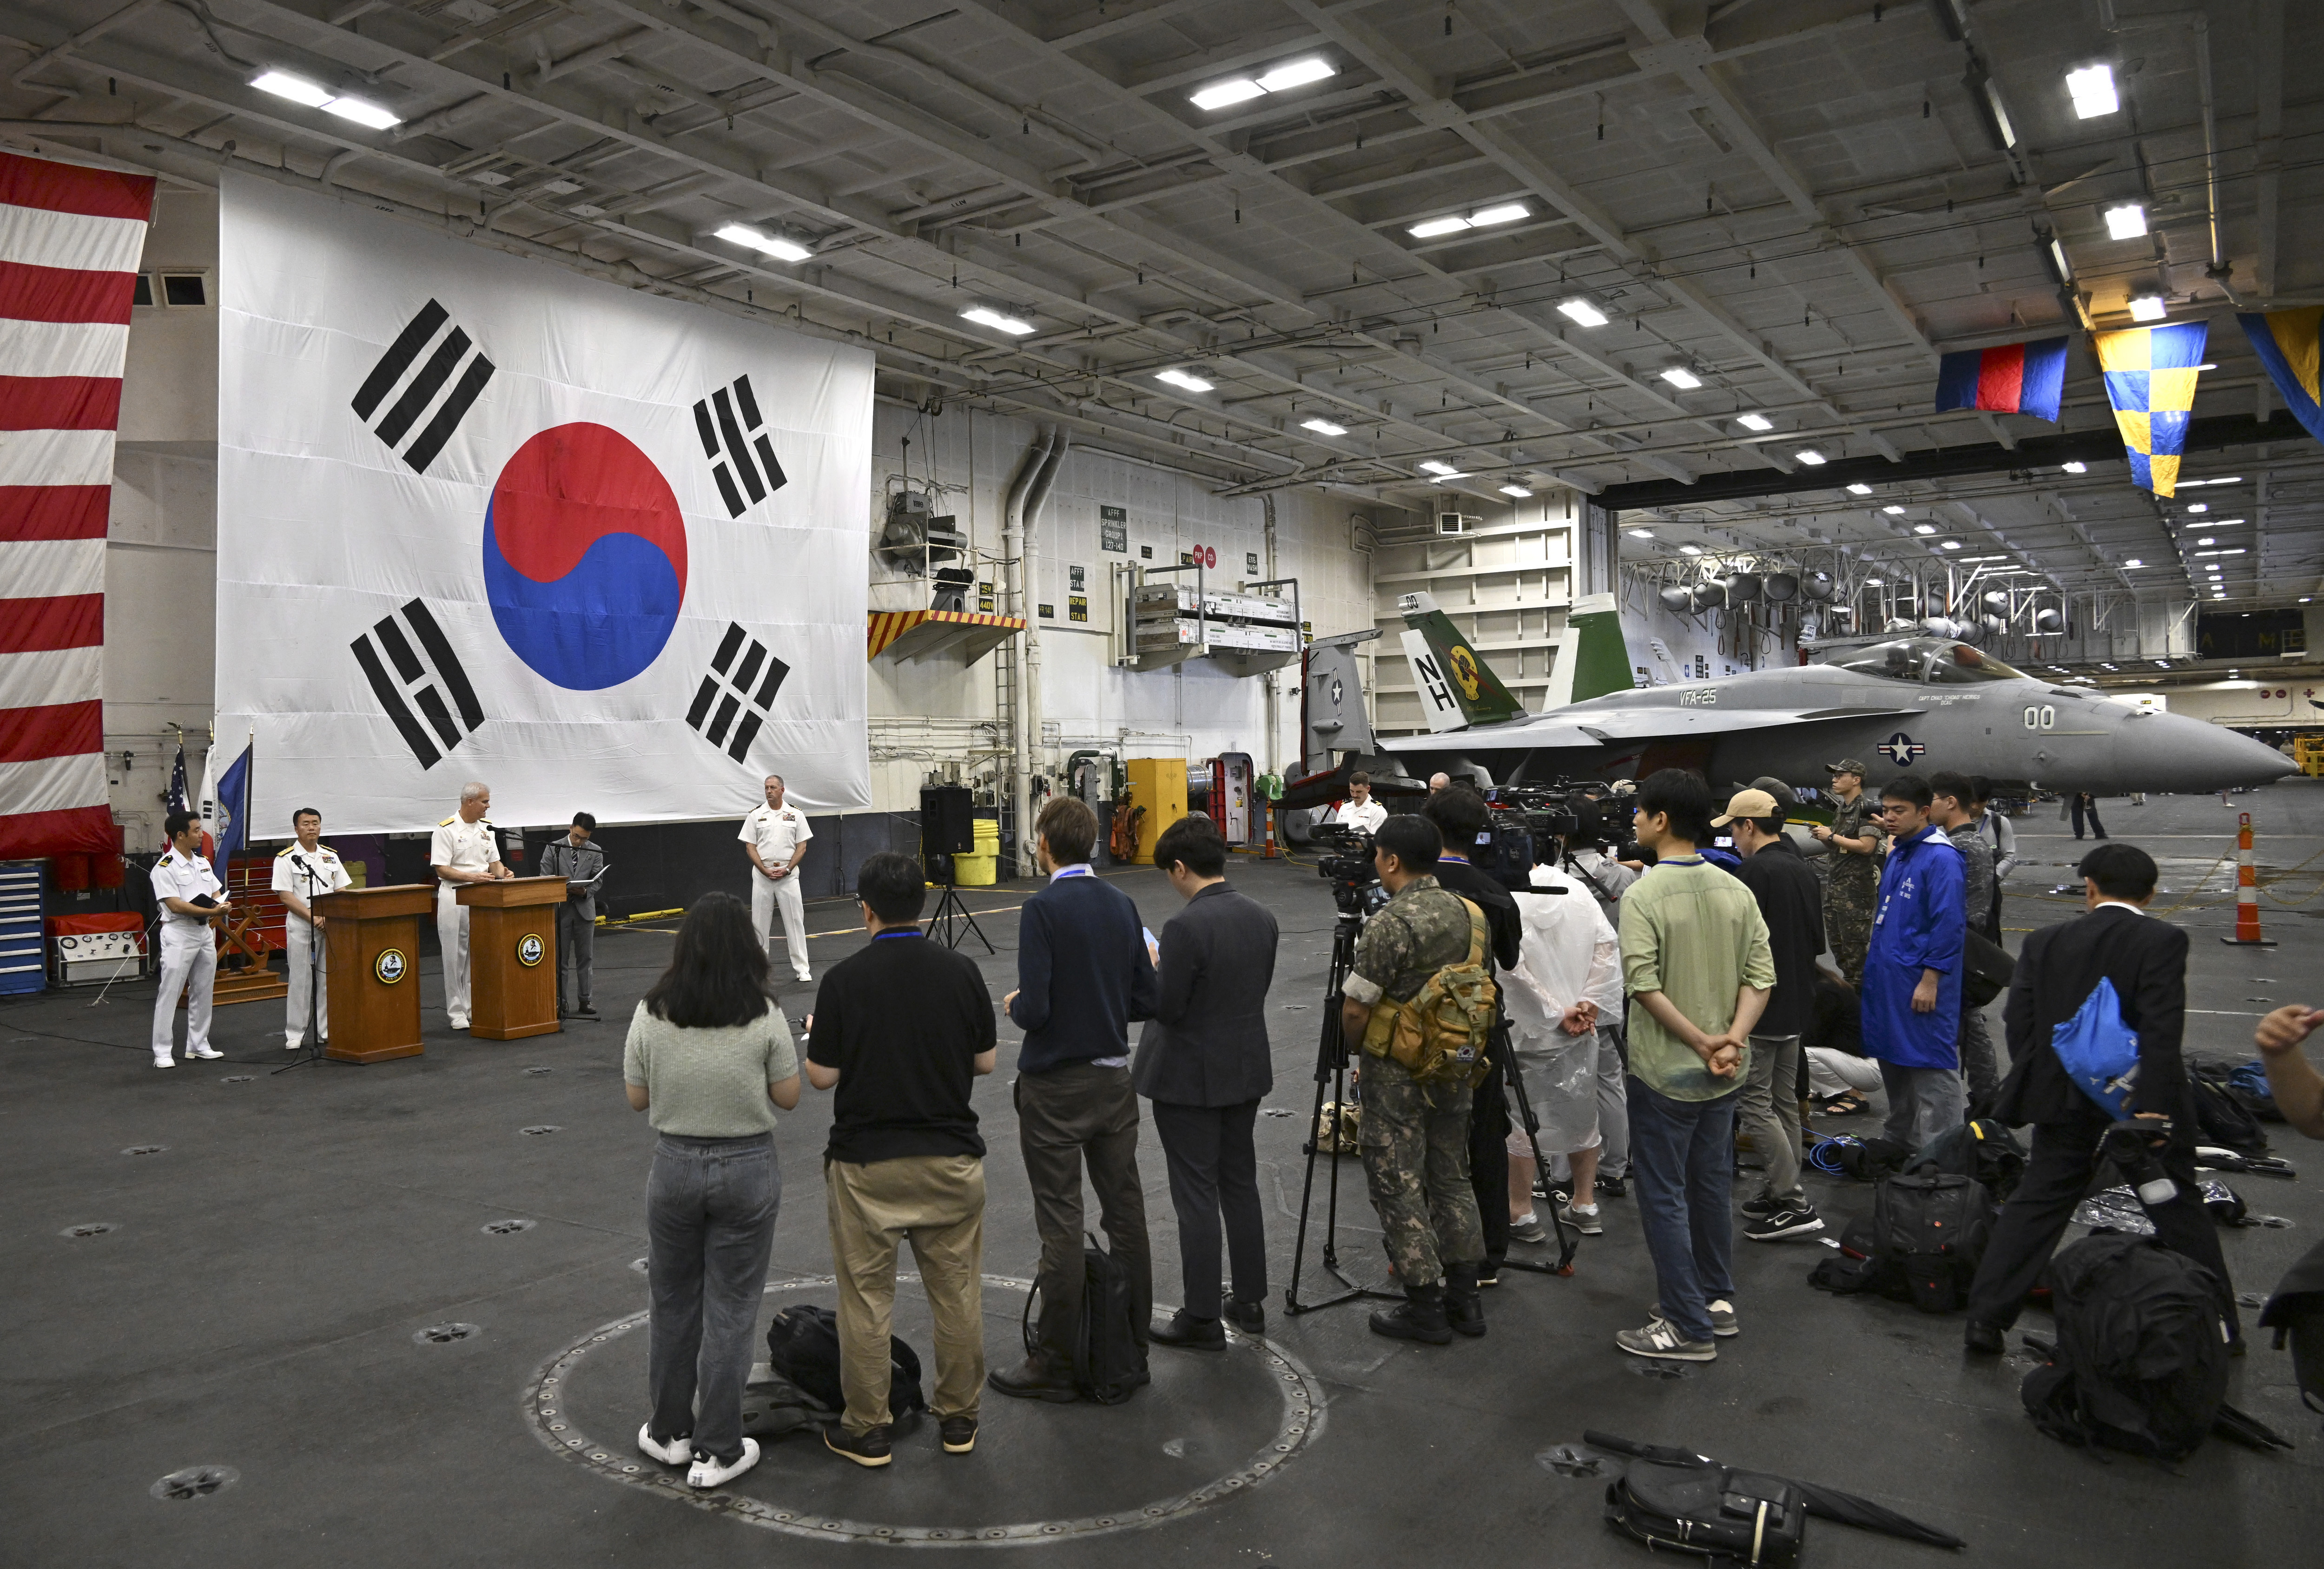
(1565, 1005)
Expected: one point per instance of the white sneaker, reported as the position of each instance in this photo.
(709, 1473)
(165, 1062)
(459, 1024)
(293, 1044)
(676, 1451)
(205, 1053)
(805, 978)
(1660, 1339)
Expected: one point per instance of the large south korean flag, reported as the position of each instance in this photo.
(482, 519)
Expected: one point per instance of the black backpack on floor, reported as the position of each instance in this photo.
(1932, 1226)
(1109, 1357)
(1733, 1519)
(803, 1349)
(1982, 1148)
(2141, 1361)
(2220, 1118)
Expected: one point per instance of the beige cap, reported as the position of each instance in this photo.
(1757, 805)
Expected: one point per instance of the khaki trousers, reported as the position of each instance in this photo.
(938, 1202)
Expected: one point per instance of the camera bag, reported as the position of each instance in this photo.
(1732, 1518)
(1933, 1225)
(803, 1349)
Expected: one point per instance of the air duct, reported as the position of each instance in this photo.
(1037, 496)
(1020, 603)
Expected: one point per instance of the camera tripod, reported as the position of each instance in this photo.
(1332, 1073)
(950, 914)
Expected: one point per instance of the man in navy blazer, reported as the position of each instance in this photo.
(1083, 974)
(2057, 969)
(1204, 1061)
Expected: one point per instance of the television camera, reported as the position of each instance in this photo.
(1345, 861)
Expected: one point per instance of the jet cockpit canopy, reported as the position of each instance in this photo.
(1931, 661)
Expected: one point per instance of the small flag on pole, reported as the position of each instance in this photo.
(2013, 378)
(2150, 379)
(736, 693)
(177, 801)
(410, 665)
(2286, 344)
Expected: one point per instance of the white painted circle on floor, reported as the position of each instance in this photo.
(546, 1412)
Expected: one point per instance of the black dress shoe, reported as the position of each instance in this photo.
(1249, 1317)
(1981, 1338)
(1031, 1379)
(585, 1011)
(1190, 1332)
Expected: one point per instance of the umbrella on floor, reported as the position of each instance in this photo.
(1824, 1502)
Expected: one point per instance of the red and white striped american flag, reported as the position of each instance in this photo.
(69, 242)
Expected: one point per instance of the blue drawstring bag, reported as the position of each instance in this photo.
(2098, 1051)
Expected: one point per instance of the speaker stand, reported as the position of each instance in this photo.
(950, 916)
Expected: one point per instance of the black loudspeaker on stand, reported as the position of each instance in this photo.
(948, 828)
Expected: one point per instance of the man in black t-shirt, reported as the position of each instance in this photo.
(903, 1029)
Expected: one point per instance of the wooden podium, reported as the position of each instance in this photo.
(371, 947)
(512, 956)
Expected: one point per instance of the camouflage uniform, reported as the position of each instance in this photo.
(1414, 1137)
(1851, 890)
(1980, 1068)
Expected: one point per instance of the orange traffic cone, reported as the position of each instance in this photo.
(1270, 854)
(2247, 892)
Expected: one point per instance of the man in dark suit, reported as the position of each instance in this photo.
(1203, 1062)
(2058, 969)
(1462, 815)
(1083, 974)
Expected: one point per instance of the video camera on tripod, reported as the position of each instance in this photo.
(1570, 812)
(1346, 863)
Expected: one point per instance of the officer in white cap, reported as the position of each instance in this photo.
(302, 873)
(191, 899)
(465, 848)
(774, 837)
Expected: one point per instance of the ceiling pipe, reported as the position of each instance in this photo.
(1016, 586)
(1037, 496)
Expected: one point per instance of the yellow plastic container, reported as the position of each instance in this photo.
(981, 867)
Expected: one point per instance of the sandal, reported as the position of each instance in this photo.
(1847, 1103)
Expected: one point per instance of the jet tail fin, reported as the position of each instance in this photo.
(1456, 687)
(1592, 657)
(1331, 717)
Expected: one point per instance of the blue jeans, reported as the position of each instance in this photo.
(1682, 1160)
(710, 1225)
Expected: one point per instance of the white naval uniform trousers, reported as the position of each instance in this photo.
(189, 965)
(770, 895)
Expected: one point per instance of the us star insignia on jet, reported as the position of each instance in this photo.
(1900, 749)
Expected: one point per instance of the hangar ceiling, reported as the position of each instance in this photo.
(1608, 242)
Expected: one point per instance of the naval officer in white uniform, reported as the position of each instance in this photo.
(189, 949)
(465, 848)
(774, 837)
(302, 873)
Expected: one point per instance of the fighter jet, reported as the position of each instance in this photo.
(1911, 704)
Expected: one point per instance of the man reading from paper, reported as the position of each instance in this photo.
(465, 848)
(305, 872)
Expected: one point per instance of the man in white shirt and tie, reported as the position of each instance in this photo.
(192, 899)
(465, 848)
(1359, 810)
(775, 837)
(303, 873)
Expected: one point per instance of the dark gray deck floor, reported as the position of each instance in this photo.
(254, 1305)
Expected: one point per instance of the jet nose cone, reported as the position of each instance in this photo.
(2186, 754)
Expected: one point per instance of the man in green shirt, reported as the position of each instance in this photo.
(1415, 1136)
(1698, 968)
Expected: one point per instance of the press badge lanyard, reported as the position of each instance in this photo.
(884, 937)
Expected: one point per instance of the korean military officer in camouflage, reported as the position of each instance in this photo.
(1851, 890)
(1415, 1136)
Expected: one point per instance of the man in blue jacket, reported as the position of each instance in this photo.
(1083, 974)
(1913, 970)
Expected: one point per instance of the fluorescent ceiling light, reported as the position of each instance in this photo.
(1323, 428)
(2162, 664)
(1924, 527)
(1517, 491)
(1690, 550)
(1437, 466)
(1755, 422)
(2126, 222)
(2223, 479)
(1859, 490)
(1955, 545)
(2147, 307)
(2222, 523)
(2207, 540)
(1436, 226)
(985, 315)
(1586, 315)
(2092, 90)
(1180, 379)
(1893, 511)
(1679, 376)
(1298, 73)
(2236, 551)
(1218, 95)
(297, 89)
(1985, 557)
(1509, 212)
(2058, 260)
(2075, 468)
(1642, 533)
(772, 245)
(1811, 456)
(1875, 583)
(2200, 507)
(2133, 561)
(366, 113)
